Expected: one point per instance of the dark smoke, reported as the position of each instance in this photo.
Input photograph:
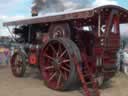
(55, 5)
(60, 5)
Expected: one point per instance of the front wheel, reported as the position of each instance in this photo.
(18, 64)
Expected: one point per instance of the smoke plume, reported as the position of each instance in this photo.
(60, 5)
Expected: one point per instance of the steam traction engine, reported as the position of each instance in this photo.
(71, 49)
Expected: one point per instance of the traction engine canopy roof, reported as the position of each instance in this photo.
(72, 15)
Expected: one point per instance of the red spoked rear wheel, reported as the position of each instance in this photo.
(57, 66)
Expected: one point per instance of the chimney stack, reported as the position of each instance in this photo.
(34, 10)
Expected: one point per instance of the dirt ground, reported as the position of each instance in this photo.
(32, 85)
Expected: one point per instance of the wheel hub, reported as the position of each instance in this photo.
(57, 64)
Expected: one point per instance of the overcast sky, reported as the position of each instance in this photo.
(16, 9)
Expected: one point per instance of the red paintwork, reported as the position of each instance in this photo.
(33, 59)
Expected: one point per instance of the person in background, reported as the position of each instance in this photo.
(7, 55)
(0, 58)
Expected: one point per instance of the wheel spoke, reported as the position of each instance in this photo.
(67, 65)
(53, 75)
(18, 61)
(49, 67)
(64, 75)
(65, 69)
(63, 53)
(59, 79)
(59, 50)
(15, 62)
(18, 58)
(18, 69)
(49, 57)
(53, 49)
(65, 61)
